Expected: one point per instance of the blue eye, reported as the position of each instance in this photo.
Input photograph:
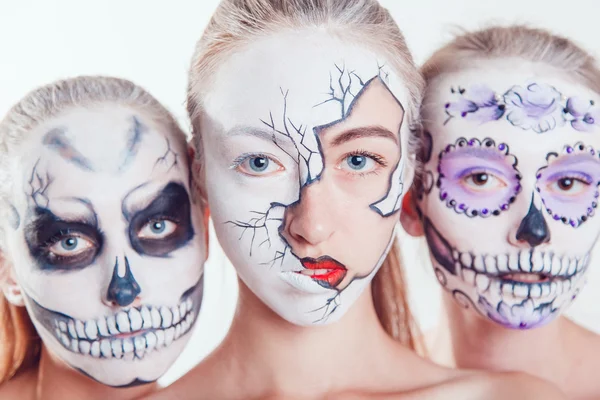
(158, 226)
(69, 244)
(357, 162)
(259, 164)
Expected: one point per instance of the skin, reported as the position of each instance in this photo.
(551, 348)
(270, 351)
(110, 257)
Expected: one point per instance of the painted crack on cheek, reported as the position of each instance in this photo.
(258, 224)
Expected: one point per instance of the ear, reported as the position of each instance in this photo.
(10, 288)
(410, 217)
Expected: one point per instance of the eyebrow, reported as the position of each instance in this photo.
(252, 131)
(364, 132)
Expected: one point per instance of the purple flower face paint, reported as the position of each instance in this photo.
(538, 107)
(510, 214)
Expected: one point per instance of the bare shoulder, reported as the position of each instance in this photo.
(492, 386)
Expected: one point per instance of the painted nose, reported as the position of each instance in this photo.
(123, 288)
(309, 221)
(533, 228)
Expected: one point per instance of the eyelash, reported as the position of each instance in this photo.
(241, 159)
(572, 175)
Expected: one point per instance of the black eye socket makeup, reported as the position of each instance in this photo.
(172, 204)
(46, 230)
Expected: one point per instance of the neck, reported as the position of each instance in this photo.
(478, 343)
(55, 380)
(263, 349)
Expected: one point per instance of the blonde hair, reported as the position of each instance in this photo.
(517, 41)
(19, 344)
(237, 23)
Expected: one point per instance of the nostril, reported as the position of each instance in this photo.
(122, 290)
(533, 228)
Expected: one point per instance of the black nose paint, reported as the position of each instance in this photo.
(533, 228)
(123, 290)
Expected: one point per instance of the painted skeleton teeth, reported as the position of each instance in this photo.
(96, 337)
(146, 318)
(524, 263)
(123, 322)
(502, 263)
(490, 264)
(482, 282)
(167, 317)
(466, 259)
(492, 268)
(91, 330)
(513, 262)
(478, 264)
(538, 262)
(469, 276)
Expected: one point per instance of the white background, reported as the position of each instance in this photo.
(151, 42)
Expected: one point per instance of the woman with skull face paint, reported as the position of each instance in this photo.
(100, 242)
(301, 112)
(509, 188)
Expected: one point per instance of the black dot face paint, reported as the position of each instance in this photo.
(163, 226)
(568, 184)
(478, 177)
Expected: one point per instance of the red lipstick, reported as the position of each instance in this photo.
(324, 270)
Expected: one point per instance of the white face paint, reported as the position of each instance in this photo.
(510, 190)
(106, 246)
(304, 170)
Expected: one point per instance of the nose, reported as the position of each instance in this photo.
(123, 288)
(533, 228)
(310, 221)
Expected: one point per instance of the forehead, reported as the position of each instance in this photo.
(103, 146)
(500, 76)
(305, 65)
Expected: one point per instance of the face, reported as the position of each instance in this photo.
(305, 151)
(105, 243)
(510, 190)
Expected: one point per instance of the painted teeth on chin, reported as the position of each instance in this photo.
(538, 262)
(513, 262)
(572, 266)
(502, 263)
(478, 264)
(524, 264)
(482, 282)
(93, 337)
(123, 322)
(469, 276)
(135, 318)
(466, 260)
(490, 264)
(556, 266)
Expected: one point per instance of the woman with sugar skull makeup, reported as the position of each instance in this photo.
(101, 241)
(301, 112)
(507, 199)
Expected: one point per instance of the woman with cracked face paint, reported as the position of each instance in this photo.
(102, 245)
(507, 200)
(301, 112)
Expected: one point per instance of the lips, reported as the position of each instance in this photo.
(326, 271)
